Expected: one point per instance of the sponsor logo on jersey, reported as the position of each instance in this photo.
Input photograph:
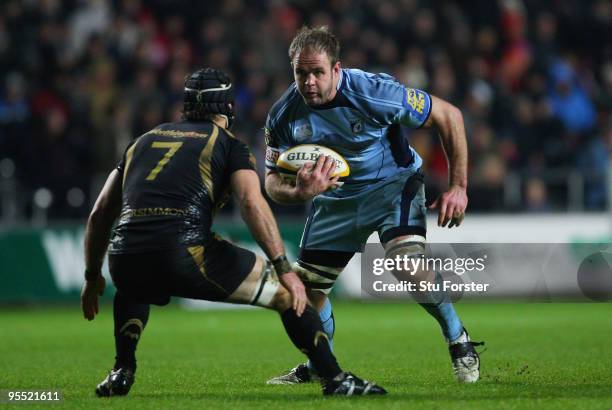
(415, 100)
(268, 137)
(271, 155)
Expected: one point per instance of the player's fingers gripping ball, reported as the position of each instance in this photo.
(291, 160)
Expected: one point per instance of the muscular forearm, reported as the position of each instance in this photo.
(100, 223)
(97, 236)
(262, 225)
(449, 123)
(281, 192)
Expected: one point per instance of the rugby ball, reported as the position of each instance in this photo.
(290, 161)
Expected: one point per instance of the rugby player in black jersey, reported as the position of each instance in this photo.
(164, 193)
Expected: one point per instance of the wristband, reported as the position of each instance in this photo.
(89, 276)
(281, 265)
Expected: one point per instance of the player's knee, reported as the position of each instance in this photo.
(267, 290)
(316, 298)
(409, 251)
(319, 279)
(281, 300)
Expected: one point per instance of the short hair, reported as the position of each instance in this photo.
(319, 39)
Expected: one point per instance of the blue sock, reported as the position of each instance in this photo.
(444, 312)
(447, 318)
(329, 326)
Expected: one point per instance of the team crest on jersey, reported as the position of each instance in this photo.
(356, 126)
(302, 132)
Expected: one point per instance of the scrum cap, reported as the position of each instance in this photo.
(208, 91)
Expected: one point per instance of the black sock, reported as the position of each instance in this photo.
(130, 320)
(306, 333)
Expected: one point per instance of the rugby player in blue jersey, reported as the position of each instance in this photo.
(359, 115)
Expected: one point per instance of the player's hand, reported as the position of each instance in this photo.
(452, 204)
(313, 179)
(89, 296)
(292, 282)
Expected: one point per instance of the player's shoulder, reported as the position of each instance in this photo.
(150, 134)
(228, 138)
(365, 89)
(359, 80)
(281, 107)
(167, 126)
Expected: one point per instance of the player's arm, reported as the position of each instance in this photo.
(448, 121)
(311, 180)
(97, 235)
(258, 216)
(279, 191)
(257, 213)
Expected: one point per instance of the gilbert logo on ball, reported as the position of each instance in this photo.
(290, 161)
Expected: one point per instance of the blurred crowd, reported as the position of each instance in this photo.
(81, 78)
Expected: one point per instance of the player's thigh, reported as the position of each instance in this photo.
(319, 270)
(333, 225)
(142, 277)
(262, 287)
(258, 287)
(404, 229)
(212, 272)
(404, 209)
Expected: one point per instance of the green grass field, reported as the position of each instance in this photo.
(538, 356)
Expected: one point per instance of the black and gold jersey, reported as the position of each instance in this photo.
(174, 179)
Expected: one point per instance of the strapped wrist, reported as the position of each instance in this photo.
(281, 265)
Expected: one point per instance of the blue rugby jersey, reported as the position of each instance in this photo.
(362, 123)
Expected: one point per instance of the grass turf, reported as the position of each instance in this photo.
(538, 356)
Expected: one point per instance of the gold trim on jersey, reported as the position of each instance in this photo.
(205, 163)
(228, 132)
(176, 134)
(197, 253)
(128, 160)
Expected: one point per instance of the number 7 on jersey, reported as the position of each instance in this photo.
(172, 147)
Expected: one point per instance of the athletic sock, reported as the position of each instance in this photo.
(306, 333)
(130, 320)
(329, 327)
(463, 338)
(439, 306)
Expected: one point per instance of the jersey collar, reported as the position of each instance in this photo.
(339, 99)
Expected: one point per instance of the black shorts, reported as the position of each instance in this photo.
(212, 272)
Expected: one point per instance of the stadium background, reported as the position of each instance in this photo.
(81, 78)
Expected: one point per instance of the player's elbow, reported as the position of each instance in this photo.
(454, 115)
(252, 209)
(105, 211)
(100, 216)
(271, 184)
(250, 203)
(268, 185)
